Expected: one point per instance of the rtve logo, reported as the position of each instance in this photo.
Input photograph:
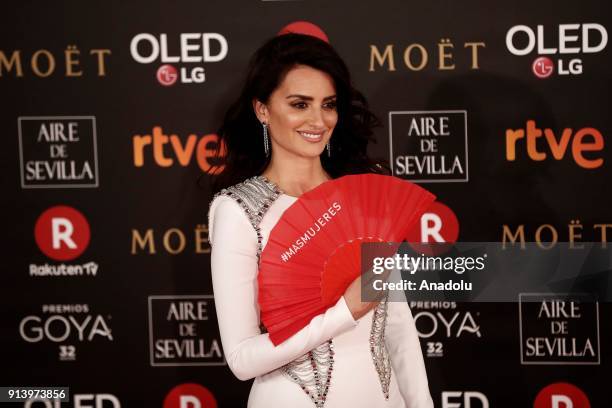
(561, 395)
(203, 148)
(190, 396)
(438, 225)
(585, 143)
(62, 233)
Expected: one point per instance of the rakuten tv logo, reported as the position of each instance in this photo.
(168, 150)
(561, 395)
(572, 39)
(62, 233)
(188, 52)
(583, 145)
(438, 225)
(190, 396)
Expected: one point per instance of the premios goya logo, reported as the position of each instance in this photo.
(182, 59)
(58, 151)
(183, 331)
(67, 326)
(558, 329)
(559, 48)
(62, 233)
(429, 146)
(444, 325)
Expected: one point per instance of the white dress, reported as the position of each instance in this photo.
(342, 369)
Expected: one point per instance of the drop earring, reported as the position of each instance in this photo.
(328, 148)
(266, 140)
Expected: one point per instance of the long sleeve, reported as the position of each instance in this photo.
(402, 341)
(248, 352)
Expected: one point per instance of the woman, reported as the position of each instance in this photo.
(297, 124)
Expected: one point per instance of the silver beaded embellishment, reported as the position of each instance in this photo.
(313, 372)
(380, 354)
(255, 196)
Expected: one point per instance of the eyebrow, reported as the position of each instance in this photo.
(309, 98)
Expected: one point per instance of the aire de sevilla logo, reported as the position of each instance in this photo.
(438, 225)
(561, 395)
(190, 395)
(62, 233)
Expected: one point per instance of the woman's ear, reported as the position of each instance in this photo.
(261, 111)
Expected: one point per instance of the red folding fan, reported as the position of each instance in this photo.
(313, 252)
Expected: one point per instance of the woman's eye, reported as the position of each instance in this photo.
(299, 105)
(331, 105)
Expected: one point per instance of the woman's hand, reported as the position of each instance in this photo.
(352, 295)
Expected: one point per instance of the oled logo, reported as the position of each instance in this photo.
(62, 233)
(438, 225)
(168, 150)
(585, 145)
(58, 151)
(188, 53)
(561, 395)
(429, 146)
(190, 395)
(459, 399)
(572, 39)
(80, 401)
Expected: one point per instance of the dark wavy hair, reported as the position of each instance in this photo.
(241, 131)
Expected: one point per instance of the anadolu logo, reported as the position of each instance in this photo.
(561, 395)
(304, 27)
(190, 395)
(62, 233)
(438, 225)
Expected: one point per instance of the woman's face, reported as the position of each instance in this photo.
(301, 113)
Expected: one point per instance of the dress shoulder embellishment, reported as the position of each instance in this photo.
(255, 196)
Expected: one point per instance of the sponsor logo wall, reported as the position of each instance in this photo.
(504, 115)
